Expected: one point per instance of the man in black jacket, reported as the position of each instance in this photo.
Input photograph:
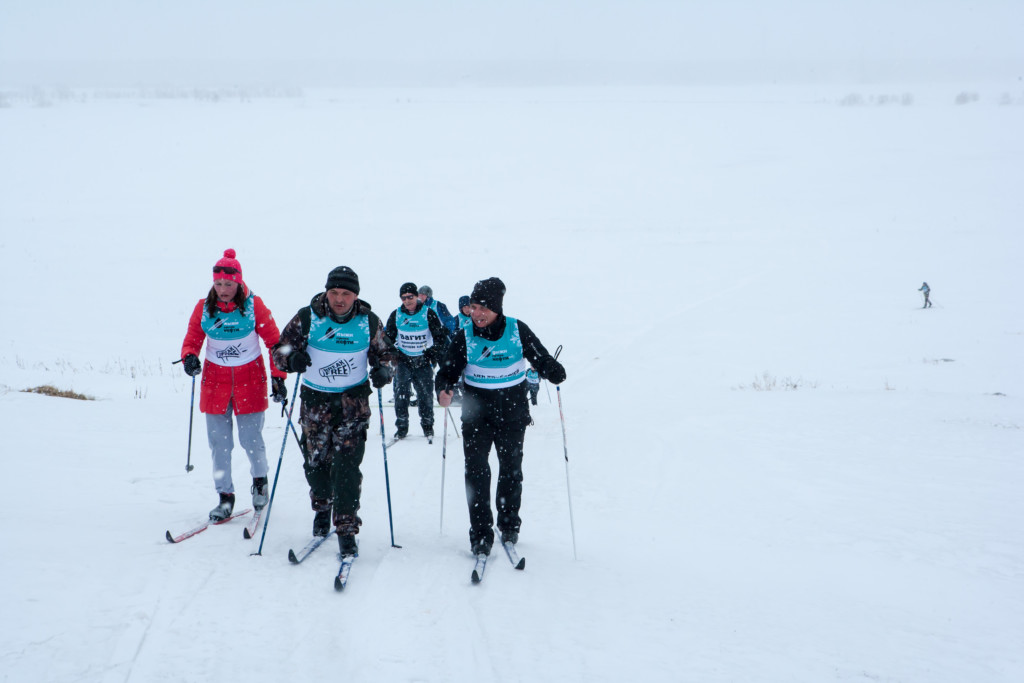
(421, 339)
(494, 352)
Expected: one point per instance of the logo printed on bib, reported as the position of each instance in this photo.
(230, 352)
(339, 369)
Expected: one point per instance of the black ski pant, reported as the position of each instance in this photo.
(422, 377)
(477, 437)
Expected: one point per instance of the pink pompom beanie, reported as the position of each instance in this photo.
(228, 268)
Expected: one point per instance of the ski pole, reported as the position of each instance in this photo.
(444, 450)
(449, 412)
(191, 409)
(290, 424)
(568, 490)
(387, 481)
(565, 448)
(273, 489)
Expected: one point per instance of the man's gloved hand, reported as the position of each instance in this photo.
(552, 371)
(380, 375)
(279, 392)
(192, 365)
(298, 361)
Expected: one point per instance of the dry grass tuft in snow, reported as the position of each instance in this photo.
(49, 390)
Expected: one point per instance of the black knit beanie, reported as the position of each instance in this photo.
(488, 293)
(407, 288)
(343, 277)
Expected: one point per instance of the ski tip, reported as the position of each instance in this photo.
(291, 557)
(245, 533)
(475, 578)
(338, 584)
(170, 539)
(522, 563)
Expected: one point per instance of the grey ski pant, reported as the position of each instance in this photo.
(250, 435)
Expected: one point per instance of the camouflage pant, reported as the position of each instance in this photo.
(333, 443)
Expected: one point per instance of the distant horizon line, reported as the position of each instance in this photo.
(313, 73)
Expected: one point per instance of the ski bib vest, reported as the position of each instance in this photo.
(498, 364)
(414, 336)
(231, 338)
(338, 353)
(465, 321)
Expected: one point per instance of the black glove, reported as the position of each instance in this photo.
(192, 365)
(278, 392)
(298, 361)
(380, 375)
(553, 371)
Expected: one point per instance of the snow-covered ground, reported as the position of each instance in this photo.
(782, 468)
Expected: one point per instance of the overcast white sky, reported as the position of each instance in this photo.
(984, 32)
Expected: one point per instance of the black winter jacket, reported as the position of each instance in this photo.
(434, 354)
(510, 404)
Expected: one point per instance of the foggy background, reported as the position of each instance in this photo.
(404, 42)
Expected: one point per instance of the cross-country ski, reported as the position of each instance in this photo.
(478, 568)
(314, 543)
(250, 529)
(203, 527)
(341, 580)
(513, 556)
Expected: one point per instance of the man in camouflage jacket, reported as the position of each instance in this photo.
(339, 345)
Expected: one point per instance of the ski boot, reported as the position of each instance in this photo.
(259, 493)
(223, 510)
(347, 545)
(402, 432)
(322, 523)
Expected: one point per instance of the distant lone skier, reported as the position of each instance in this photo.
(927, 291)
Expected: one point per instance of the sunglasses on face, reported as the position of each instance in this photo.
(408, 296)
(227, 270)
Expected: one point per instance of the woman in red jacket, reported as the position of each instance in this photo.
(230, 319)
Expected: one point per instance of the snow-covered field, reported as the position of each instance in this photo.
(782, 468)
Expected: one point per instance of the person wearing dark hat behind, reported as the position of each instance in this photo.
(339, 343)
(232, 320)
(421, 340)
(494, 352)
(463, 318)
(426, 297)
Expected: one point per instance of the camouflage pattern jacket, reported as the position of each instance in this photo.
(295, 336)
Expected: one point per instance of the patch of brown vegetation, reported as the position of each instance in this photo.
(48, 390)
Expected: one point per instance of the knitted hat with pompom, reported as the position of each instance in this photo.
(228, 268)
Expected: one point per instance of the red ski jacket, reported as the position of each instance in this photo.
(244, 386)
